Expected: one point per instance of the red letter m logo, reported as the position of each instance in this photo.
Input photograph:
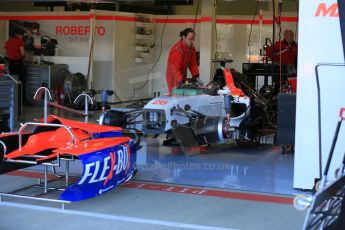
(331, 11)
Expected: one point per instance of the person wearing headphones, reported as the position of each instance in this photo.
(182, 56)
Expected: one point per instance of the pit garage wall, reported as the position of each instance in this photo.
(319, 42)
(231, 40)
(113, 65)
(72, 45)
(129, 75)
(234, 33)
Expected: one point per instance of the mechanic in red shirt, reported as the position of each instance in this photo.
(182, 56)
(285, 51)
(15, 52)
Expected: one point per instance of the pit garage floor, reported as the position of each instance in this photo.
(261, 168)
(227, 187)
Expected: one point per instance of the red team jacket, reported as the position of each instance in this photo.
(180, 58)
(12, 47)
(281, 48)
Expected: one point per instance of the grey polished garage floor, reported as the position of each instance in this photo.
(130, 208)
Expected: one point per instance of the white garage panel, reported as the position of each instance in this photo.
(319, 42)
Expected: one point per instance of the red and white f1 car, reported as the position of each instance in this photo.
(197, 114)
